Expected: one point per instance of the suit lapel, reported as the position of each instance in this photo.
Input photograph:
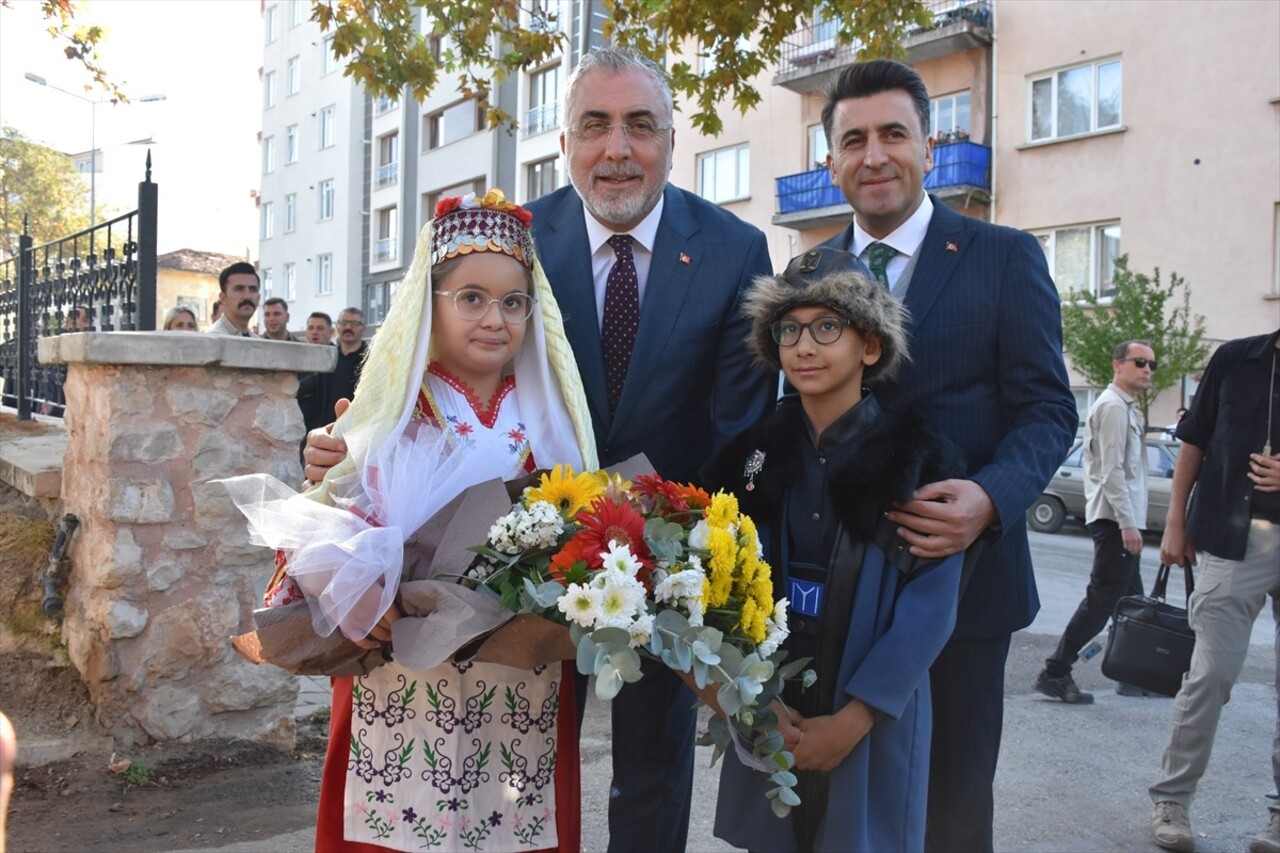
(944, 244)
(566, 259)
(666, 289)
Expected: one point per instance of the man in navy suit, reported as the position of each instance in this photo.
(648, 278)
(987, 369)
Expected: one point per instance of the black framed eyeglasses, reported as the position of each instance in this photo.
(472, 303)
(824, 330)
(1141, 362)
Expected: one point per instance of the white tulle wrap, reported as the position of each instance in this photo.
(347, 557)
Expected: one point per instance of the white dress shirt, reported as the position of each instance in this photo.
(602, 255)
(906, 239)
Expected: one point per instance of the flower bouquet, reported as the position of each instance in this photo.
(658, 568)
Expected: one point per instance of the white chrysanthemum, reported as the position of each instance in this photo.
(641, 630)
(699, 534)
(684, 584)
(620, 559)
(621, 600)
(775, 629)
(581, 604)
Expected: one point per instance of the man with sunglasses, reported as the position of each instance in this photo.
(1115, 489)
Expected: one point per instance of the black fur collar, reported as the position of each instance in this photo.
(899, 453)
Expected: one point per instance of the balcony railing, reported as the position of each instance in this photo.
(384, 105)
(809, 199)
(541, 119)
(387, 174)
(813, 53)
(384, 250)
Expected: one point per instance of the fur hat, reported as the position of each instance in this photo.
(839, 281)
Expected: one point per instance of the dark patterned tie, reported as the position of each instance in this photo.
(878, 257)
(621, 316)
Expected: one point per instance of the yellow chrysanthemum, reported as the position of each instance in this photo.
(752, 621)
(566, 491)
(723, 511)
(724, 554)
(746, 571)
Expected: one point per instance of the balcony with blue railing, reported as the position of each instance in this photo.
(961, 171)
(812, 56)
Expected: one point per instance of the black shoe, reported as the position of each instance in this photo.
(1062, 687)
(1123, 688)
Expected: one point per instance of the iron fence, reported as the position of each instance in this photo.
(102, 279)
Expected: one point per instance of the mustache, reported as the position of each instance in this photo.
(249, 302)
(622, 170)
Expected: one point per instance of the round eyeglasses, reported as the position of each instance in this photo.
(824, 330)
(641, 130)
(472, 303)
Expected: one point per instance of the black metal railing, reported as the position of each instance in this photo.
(102, 279)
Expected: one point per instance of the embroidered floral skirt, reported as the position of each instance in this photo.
(462, 757)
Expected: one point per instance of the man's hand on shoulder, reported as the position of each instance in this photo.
(944, 518)
(323, 450)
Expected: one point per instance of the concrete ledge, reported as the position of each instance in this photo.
(32, 463)
(37, 752)
(186, 349)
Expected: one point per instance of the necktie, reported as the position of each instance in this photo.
(878, 257)
(621, 316)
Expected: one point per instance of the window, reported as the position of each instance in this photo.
(453, 123)
(265, 275)
(291, 144)
(290, 282)
(324, 200)
(324, 274)
(949, 117)
(544, 101)
(818, 148)
(1076, 100)
(328, 62)
(328, 126)
(271, 21)
(388, 160)
(297, 12)
(384, 246)
(1082, 258)
(384, 104)
(268, 155)
(549, 16)
(724, 175)
(290, 213)
(268, 90)
(293, 75)
(544, 177)
(267, 226)
(377, 296)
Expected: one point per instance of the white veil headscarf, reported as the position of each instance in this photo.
(398, 474)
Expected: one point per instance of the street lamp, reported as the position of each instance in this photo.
(93, 134)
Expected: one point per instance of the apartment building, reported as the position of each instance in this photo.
(349, 180)
(1145, 128)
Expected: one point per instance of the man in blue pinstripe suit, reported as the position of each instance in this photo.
(987, 368)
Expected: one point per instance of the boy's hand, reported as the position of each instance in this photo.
(826, 741)
(944, 518)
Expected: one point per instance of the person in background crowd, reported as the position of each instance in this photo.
(239, 293)
(179, 318)
(275, 316)
(319, 328)
(986, 332)
(1230, 442)
(1115, 488)
(215, 311)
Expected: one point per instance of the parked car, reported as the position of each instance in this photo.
(1065, 495)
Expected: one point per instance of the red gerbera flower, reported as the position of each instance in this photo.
(608, 522)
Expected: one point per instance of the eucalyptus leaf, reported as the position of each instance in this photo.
(789, 796)
(606, 636)
(780, 809)
(791, 668)
(586, 655)
(785, 778)
(608, 682)
(728, 699)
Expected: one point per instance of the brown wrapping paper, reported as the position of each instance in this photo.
(441, 618)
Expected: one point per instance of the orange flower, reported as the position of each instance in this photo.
(565, 560)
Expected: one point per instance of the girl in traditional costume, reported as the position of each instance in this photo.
(470, 378)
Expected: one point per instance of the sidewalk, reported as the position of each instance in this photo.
(1071, 778)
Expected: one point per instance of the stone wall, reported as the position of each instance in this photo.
(163, 572)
